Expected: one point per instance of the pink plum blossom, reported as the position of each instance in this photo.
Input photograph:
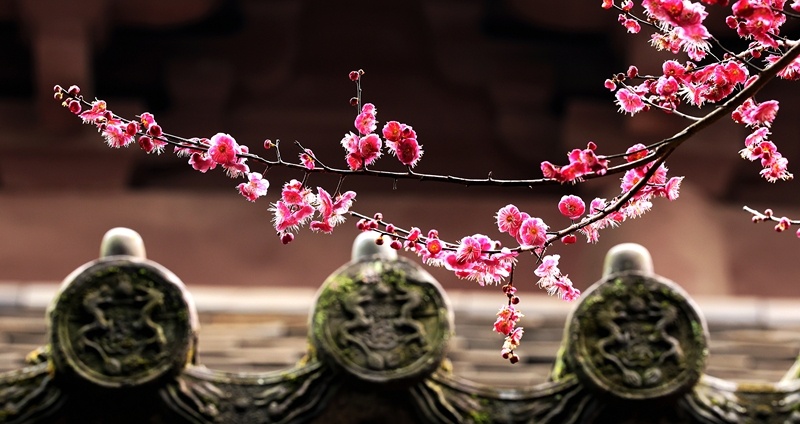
(548, 267)
(223, 149)
(97, 111)
(331, 211)
(365, 122)
(532, 233)
(513, 339)
(307, 159)
(636, 152)
(628, 101)
(571, 206)
(254, 188)
(147, 119)
(293, 193)
(507, 318)
(361, 151)
(509, 220)
(369, 147)
(392, 131)
(754, 114)
(116, 136)
(630, 25)
(201, 162)
(673, 187)
(408, 151)
(553, 281)
(469, 250)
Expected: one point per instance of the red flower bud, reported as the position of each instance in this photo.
(74, 106)
(132, 128)
(146, 143)
(154, 130)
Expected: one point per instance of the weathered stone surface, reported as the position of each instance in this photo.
(382, 321)
(121, 322)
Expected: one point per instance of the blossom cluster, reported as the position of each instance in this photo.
(506, 324)
(697, 85)
(757, 145)
(679, 24)
(642, 184)
(298, 205)
(782, 223)
(581, 162)
(364, 148)
(553, 281)
(476, 257)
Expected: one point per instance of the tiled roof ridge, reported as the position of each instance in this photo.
(720, 309)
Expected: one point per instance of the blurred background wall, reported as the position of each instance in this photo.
(489, 86)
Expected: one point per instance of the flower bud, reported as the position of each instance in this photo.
(132, 128)
(146, 143)
(154, 130)
(569, 239)
(74, 90)
(783, 224)
(74, 106)
(354, 75)
(287, 238)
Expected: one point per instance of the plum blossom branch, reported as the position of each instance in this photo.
(724, 82)
(782, 223)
